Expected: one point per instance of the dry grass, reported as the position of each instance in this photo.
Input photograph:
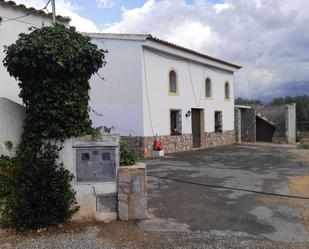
(299, 186)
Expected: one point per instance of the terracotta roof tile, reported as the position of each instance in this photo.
(158, 40)
(39, 12)
(155, 39)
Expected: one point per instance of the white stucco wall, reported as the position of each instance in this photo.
(119, 97)
(123, 97)
(157, 71)
(86, 192)
(11, 124)
(8, 34)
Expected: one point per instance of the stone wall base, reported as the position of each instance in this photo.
(220, 138)
(132, 192)
(143, 145)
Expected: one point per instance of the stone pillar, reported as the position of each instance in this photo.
(132, 192)
(238, 124)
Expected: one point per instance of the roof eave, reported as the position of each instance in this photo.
(169, 44)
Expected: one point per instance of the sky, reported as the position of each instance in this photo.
(269, 38)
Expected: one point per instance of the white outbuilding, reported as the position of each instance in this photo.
(156, 89)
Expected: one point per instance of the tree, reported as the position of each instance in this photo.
(244, 101)
(302, 105)
(53, 66)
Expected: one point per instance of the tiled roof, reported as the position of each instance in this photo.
(136, 37)
(144, 37)
(38, 12)
(155, 39)
(261, 116)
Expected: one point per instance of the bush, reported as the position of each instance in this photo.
(303, 146)
(37, 192)
(53, 65)
(6, 165)
(127, 156)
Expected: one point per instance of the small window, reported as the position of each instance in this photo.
(85, 156)
(173, 82)
(176, 122)
(208, 88)
(227, 90)
(106, 156)
(218, 122)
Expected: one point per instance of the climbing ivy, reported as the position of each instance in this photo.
(53, 66)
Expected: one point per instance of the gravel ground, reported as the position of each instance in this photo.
(129, 235)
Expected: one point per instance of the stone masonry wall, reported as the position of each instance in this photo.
(143, 145)
(220, 138)
(132, 192)
(135, 143)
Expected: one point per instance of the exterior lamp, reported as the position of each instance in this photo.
(188, 114)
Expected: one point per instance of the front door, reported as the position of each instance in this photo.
(196, 127)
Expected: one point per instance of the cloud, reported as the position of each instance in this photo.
(106, 3)
(65, 8)
(266, 37)
(221, 6)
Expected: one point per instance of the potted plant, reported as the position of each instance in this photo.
(157, 148)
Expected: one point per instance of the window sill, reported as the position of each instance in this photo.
(173, 94)
(178, 134)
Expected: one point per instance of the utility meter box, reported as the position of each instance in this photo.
(95, 164)
(96, 161)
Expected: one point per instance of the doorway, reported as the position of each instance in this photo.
(198, 127)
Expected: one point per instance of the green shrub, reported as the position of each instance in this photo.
(303, 146)
(53, 65)
(6, 165)
(8, 144)
(37, 192)
(127, 156)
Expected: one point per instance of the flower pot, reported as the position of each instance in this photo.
(158, 153)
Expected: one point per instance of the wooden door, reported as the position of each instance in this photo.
(196, 127)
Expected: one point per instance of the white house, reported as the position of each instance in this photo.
(155, 88)
(151, 87)
(16, 19)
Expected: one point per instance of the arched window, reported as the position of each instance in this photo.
(173, 82)
(227, 90)
(208, 88)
